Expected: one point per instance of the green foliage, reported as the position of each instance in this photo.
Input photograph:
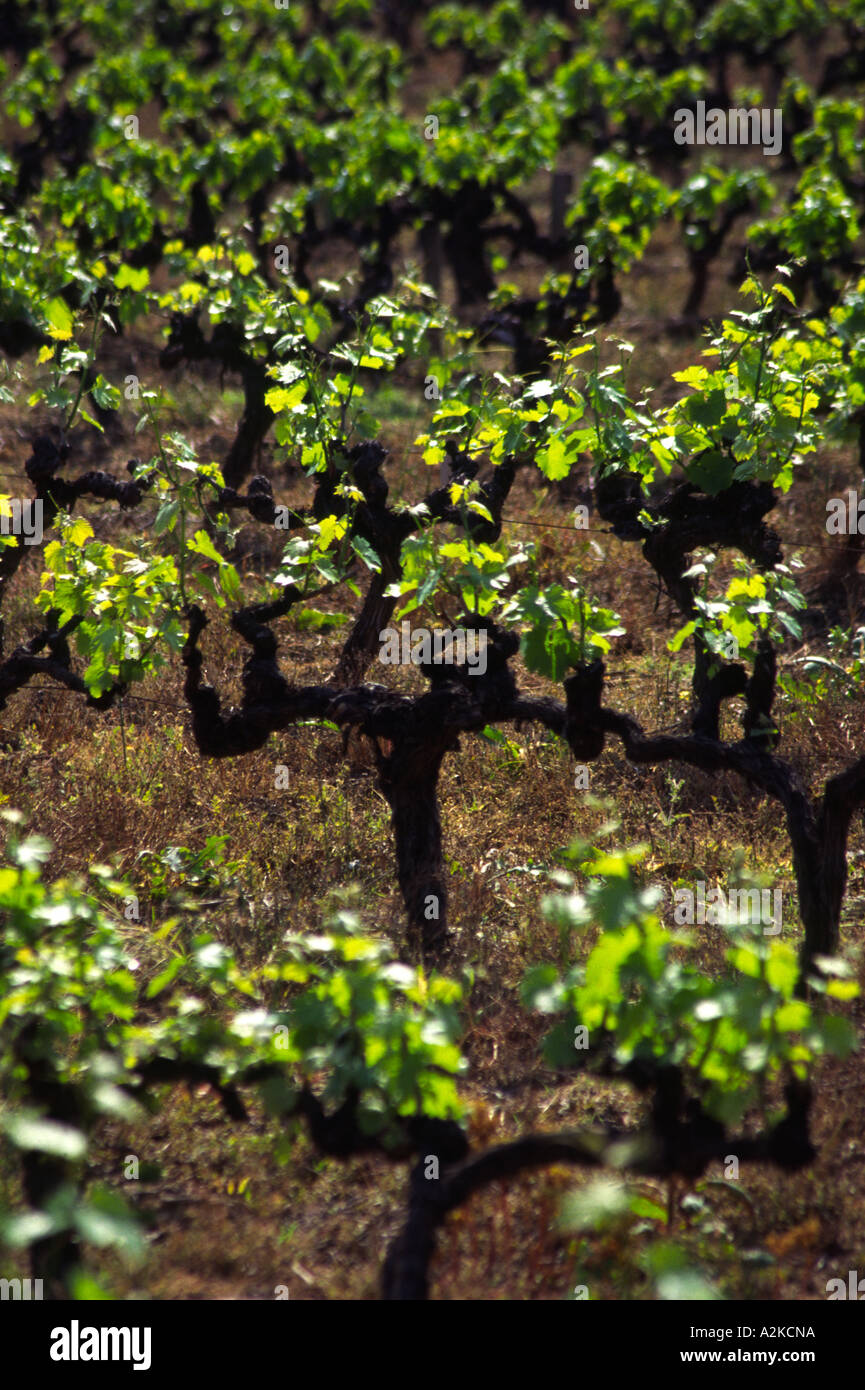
(177, 872)
(319, 402)
(608, 1207)
(640, 994)
(368, 1023)
(550, 647)
(618, 207)
(752, 418)
(712, 195)
(128, 604)
(66, 1009)
(335, 1009)
(753, 606)
(820, 224)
